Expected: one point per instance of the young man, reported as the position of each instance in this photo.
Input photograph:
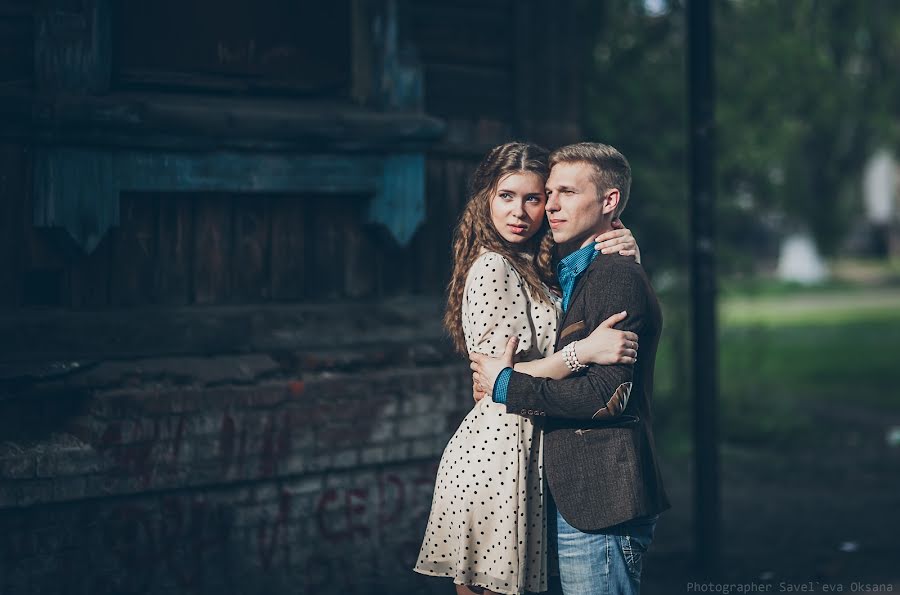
(599, 452)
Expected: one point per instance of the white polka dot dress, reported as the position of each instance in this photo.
(487, 525)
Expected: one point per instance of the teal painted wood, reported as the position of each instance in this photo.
(399, 203)
(78, 189)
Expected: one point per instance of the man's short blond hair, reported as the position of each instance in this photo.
(611, 169)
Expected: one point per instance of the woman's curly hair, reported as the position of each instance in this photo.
(475, 230)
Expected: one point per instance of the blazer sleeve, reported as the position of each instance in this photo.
(496, 307)
(600, 392)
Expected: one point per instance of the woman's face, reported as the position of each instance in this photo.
(517, 207)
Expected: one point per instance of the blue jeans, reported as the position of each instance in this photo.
(605, 562)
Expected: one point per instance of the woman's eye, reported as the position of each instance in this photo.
(506, 196)
(534, 198)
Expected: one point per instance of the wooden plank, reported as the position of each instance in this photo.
(432, 241)
(49, 335)
(66, 177)
(133, 271)
(212, 249)
(360, 268)
(325, 247)
(314, 134)
(456, 187)
(175, 251)
(251, 251)
(259, 43)
(17, 8)
(16, 43)
(394, 266)
(474, 93)
(524, 73)
(443, 32)
(74, 50)
(288, 254)
(44, 274)
(13, 197)
(90, 275)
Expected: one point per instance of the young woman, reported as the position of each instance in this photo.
(487, 529)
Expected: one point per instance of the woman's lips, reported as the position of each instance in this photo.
(517, 228)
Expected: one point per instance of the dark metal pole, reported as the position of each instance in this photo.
(701, 91)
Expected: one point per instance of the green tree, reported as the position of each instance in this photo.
(806, 90)
(804, 96)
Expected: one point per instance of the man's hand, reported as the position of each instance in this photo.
(485, 369)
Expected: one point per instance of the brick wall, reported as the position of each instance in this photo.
(299, 460)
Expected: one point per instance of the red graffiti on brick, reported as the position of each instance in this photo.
(150, 448)
(141, 453)
(276, 444)
(343, 513)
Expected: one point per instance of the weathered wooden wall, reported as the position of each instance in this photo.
(241, 389)
(16, 40)
(217, 248)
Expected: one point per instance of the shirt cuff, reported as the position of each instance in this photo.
(501, 385)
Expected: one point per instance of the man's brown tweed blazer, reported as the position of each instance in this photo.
(599, 452)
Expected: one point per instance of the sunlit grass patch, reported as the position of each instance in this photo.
(784, 358)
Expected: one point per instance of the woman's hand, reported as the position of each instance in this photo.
(608, 346)
(620, 240)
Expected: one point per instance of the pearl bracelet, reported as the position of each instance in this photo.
(571, 358)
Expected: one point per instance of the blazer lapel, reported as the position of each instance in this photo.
(579, 286)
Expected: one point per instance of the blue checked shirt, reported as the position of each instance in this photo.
(568, 271)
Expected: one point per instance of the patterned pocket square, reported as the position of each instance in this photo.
(572, 328)
(616, 404)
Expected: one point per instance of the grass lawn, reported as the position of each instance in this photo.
(786, 356)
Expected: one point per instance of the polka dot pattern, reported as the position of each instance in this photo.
(487, 525)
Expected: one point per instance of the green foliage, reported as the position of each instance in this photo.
(806, 89)
(636, 102)
(803, 97)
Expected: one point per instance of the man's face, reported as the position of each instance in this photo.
(574, 209)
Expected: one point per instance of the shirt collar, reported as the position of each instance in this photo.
(577, 262)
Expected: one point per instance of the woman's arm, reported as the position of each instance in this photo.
(620, 240)
(604, 346)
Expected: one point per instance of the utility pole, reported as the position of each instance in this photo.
(701, 101)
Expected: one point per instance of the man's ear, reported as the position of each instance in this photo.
(611, 201)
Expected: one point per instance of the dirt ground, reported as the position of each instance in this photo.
(820, 517)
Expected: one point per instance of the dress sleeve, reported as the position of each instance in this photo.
(496, 307)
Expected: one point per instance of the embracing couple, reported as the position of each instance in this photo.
(548, 300)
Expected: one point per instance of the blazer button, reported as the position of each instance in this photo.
(530, 412)
(523, 412)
